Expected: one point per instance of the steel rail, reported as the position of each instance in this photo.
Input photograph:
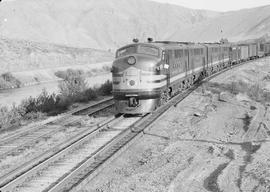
(61, 118)
(9, 181)
(8, 146)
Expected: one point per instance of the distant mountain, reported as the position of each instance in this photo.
(108, 24)
(234, 25)
(104, 24)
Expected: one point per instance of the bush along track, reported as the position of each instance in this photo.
(73, 89)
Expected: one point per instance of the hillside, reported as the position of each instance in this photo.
(22, 55)
(107, 24)
(103, 24)
(235, 25)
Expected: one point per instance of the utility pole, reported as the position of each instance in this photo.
(221, 34)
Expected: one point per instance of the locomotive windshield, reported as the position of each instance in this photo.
(142, 49)
(126, 51)
(148, 50)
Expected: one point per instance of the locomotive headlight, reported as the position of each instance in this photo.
(131, 60)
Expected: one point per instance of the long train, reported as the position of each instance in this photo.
(146, 75)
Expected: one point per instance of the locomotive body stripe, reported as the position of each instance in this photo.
(157, 81)
(140, 93)
(144, 73)
(198, 69)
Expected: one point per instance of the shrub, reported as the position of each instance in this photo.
(105, 88)
(7, 80)
(29, 105)
(44, 103)
(73, 84)
(10, 117)
(87, 95)
(4, 84)
(52, 104)
(62, 103)
(106, 68)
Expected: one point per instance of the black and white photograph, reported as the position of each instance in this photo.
(134, 96)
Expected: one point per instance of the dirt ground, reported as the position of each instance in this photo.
(216, 140)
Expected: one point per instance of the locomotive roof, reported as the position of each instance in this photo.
(168, 45)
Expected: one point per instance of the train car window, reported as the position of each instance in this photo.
(181, 52)
(148, 50)
(176, 53)
(261, 47)
(126, 51)
(197, 52)
(170, 52)
(186, 52)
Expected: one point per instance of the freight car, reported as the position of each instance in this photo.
(234, 54)
(267, 49)
(146, 75)
(252, 50)
(260, 49)
(243, 52)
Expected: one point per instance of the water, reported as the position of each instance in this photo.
(10, 96)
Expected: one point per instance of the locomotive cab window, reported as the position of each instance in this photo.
(126, 51)
(143, 49)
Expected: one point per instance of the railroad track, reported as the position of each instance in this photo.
(23, 143)
(64, 172)
(46, 175)
(26, 137)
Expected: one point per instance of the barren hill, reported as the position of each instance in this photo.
(102, 24)
(108, 24)
(234, 25)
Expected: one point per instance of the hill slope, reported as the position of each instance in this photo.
(108, 24)
(235, 25)
(102, 24)
(22, 55)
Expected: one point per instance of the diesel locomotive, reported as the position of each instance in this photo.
(146, 75)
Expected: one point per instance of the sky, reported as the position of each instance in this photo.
(218, 5)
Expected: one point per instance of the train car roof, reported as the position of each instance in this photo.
(216, 44)
(176, 45)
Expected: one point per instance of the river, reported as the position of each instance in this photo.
(10, 96)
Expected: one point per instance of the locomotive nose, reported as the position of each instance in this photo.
(132, 77)
(134, 86)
